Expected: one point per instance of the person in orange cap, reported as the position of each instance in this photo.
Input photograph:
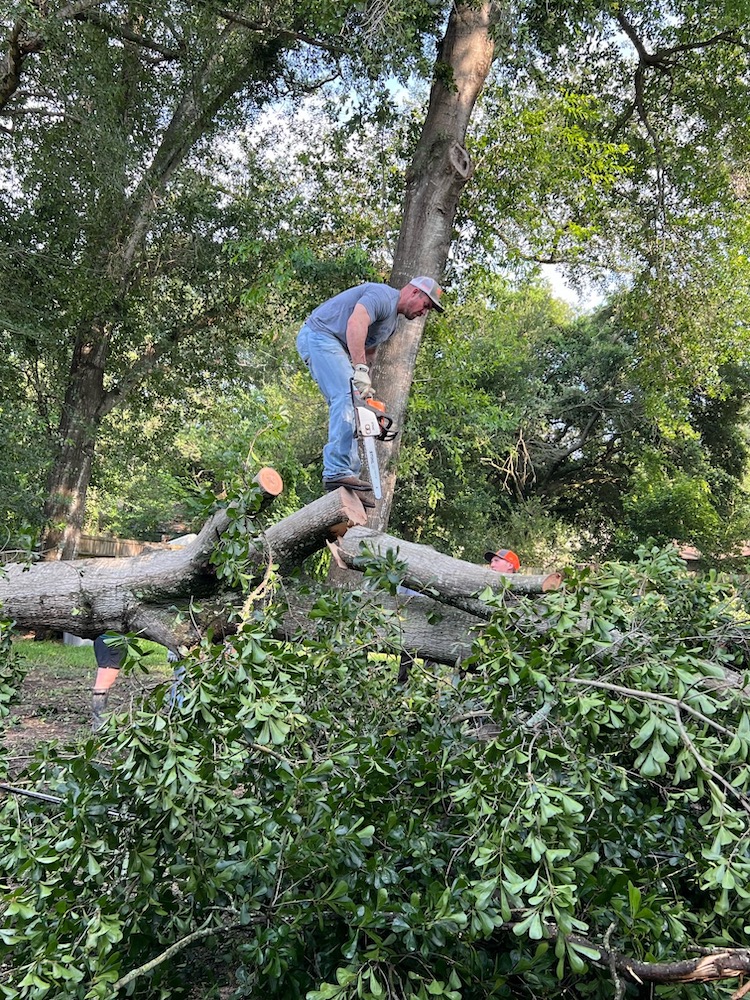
(503, 561)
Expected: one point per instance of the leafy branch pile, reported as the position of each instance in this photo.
(574, 802)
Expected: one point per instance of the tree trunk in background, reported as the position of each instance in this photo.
(440, 169)
(70, 475)
(87, 400)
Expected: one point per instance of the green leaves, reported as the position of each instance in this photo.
(297, 793)
(12, 672)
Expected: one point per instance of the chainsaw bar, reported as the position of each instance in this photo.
(372, 422)
(372, 465)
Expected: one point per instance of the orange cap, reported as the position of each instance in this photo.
(508, 555)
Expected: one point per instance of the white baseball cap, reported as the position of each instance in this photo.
(431, 288)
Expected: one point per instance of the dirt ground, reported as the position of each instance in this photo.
(55, 704)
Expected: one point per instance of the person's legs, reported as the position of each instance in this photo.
(108, 661)
(176, 694)
(331, 368)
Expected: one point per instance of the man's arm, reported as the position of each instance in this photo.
(356, 334)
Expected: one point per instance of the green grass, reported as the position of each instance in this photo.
(61, 658)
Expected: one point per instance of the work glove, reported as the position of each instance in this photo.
(362, 382)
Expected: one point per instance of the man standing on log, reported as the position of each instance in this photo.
(337, 342)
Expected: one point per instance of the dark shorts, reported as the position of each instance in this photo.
(108, 656)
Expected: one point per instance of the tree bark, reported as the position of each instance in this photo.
(138, 594)
(438, 173)
(427, 628)
(70, 475)
(723, 963)
(91, 596)
(451, 581)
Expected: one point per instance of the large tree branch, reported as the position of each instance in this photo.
(556, 454)
(724, 963)
(139, 595)
(17, 48)
(275, 31)
(192, 117)
(91, 596)
(119, 29)
(452, 581)
(663, 57)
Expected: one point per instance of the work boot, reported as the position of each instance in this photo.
(98, 708)
(349, 483)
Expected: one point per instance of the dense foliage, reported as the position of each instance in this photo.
(546, 430)
(194, 239)
(325, 833)
(290, 822)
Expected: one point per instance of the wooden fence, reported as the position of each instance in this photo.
(102, 547)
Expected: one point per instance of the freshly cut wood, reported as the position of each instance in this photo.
(269, 481)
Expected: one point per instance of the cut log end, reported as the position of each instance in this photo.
(352, 509)
(552, 582)
(337, 560)
(269, 481)
(353, 513)
(337, 531)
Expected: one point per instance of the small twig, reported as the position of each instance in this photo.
(32, 795)
(650, 696)
(539, 716)
(283, 842)
(271, 753)
(743, 799)
(616, 979)
(53, 799)
(260, 589)
(173, 949)
(471, 715)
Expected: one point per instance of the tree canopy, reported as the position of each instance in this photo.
(555, 800)
(177, 239)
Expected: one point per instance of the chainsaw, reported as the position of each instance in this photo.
(372, 422)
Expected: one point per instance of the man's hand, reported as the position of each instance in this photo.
(362, 382)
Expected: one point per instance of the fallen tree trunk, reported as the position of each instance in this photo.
(143, 594)
(427, 629)
(91, 596)
(451, 581)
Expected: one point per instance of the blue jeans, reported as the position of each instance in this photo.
(331, 367)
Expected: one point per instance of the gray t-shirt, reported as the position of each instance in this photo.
(380, 301)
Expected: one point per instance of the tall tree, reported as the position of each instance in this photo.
(106, 106)
(440, 168)
(585, 163)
